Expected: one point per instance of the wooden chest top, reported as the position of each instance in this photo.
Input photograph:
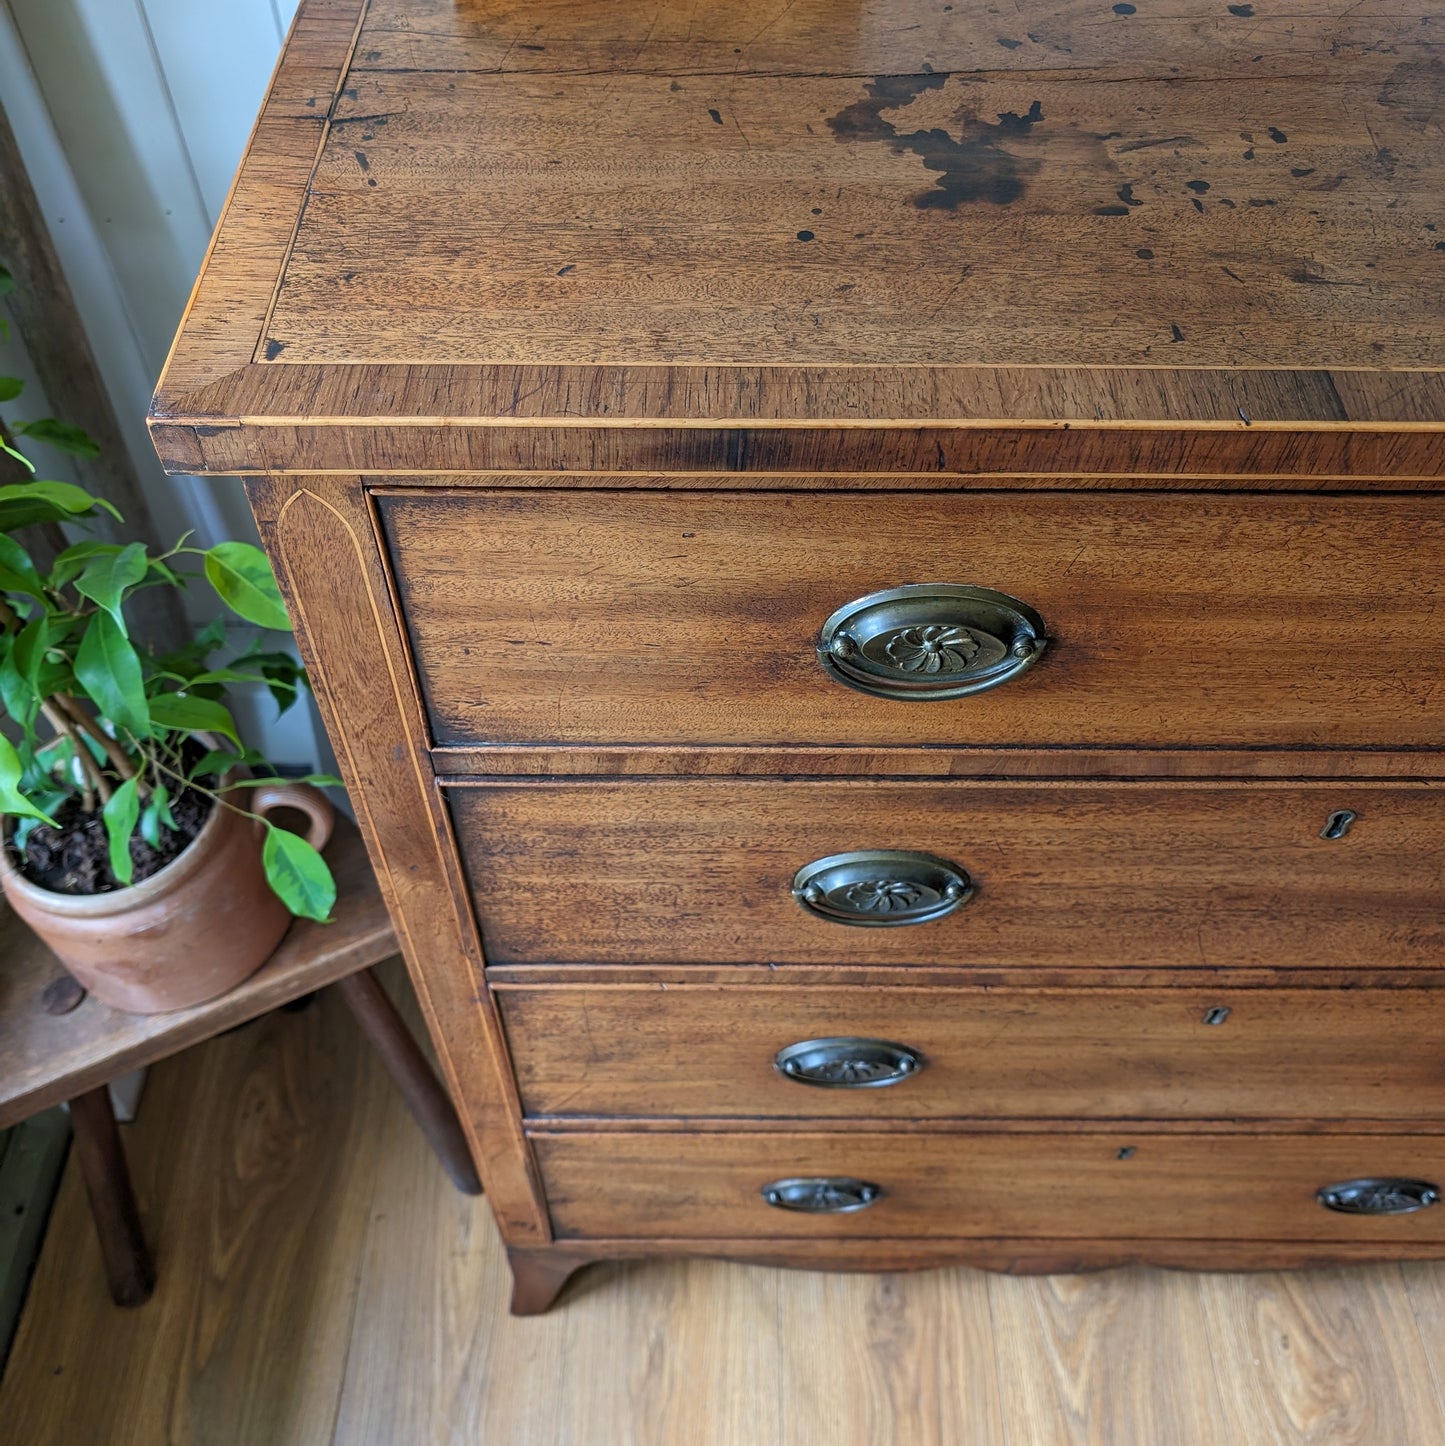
(1182, 215)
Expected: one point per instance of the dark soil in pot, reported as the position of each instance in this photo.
(75, 858)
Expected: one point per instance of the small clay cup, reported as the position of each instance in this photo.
(200, 926)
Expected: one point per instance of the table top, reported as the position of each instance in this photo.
(578, 211)
(47, 1058)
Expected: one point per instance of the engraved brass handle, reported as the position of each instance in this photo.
(847, 1063)
(1379, 1197)
(931, 640)
(881, 887)
(822, 1194)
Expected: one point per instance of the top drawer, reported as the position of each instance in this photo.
(693, 618)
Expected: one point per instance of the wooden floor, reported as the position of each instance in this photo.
(321, 1282)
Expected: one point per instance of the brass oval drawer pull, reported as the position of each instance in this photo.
(881, 887)
(1379, 1197)
(848, 1063)
(822, 1194)
(931, 640)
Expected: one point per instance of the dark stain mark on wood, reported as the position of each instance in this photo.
(817, 210)
(1244, 417)
(1277, 135)
(1414, 89)
(1127, 1153)
(1174, 331)
(1111, 210)
(373, 55)
(1197, 204)
(361, 160)
(974, 167)
(674, 87)
(1144, 254)
(1200, 186)
(1249, 154)
(1125, 9)
(1233, 276)
(1298, 171)
(1127, 196)
(805, 235)
(1257, 201)
(563, 270)
(1009, 44)
(274, 349)
(1243, 11)
(716, 115)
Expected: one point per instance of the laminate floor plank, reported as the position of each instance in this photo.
(322, 1284)
(1327, 1358)
(1100, 1359)
(253, 1166)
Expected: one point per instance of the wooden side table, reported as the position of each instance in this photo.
(47, 1057)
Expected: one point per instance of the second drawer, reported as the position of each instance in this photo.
(1064, 875)
(701, 1051)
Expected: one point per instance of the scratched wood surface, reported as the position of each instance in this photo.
(505, 235)
(301, 1305)
(898, 186)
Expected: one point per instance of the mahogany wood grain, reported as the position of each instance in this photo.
(1117, 1185)
(531, 760)
(321, 539)
(825, 215)
(1177, 875)
(679, 1050)
(693, 618)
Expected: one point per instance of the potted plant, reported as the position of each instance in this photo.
(135, 829)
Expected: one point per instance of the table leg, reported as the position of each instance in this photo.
(129, 1268)
(414, 1077)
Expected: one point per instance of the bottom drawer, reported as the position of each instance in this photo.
(1120, 1185)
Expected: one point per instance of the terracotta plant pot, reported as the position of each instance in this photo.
(197, 928)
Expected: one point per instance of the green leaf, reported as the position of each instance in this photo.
(154, 815)
(61, 435)
(64, 497)
(193, 715)
(18, 456)
(21, 671)
(298, 875)
(10, 388)
(13, 802)
(246, 584)
(17, 571)
(217, 763)
(69, 563)
(109, 670)
(108, 576)
(120, 815)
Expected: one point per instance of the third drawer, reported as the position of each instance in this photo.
(680, 1051)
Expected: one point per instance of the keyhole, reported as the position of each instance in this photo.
(1217, 1015)
(1337, 825)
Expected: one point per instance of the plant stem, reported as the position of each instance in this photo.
(113, 751)
(94, 779)
(9, 619)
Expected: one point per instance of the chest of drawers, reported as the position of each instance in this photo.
(874, 571)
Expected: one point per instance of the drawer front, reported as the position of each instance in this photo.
(1121, 1185)
(1131, 874)
(1173, 620)
(729, 1053)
